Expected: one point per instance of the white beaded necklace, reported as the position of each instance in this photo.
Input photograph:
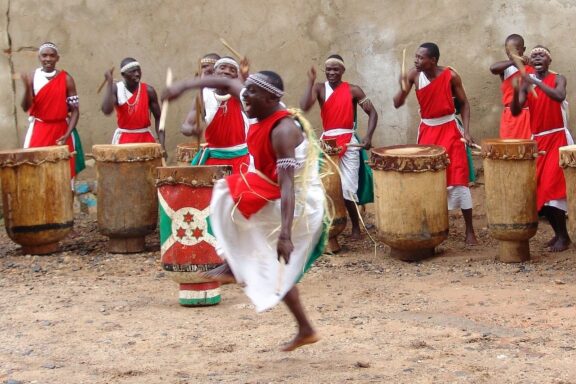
(131, 107)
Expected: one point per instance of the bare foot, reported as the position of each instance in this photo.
(299, 341)
(552, 241)
(222, 274)
(471, 239)
(561, 244)
(356, 234)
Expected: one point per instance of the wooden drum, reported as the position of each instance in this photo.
(333, 187)
(187, 246)
(510, 185)
(185, 153)
(410, 198)
(127, 204)
(568, 163)
(37, 197)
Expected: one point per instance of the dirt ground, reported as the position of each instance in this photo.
(86, 316)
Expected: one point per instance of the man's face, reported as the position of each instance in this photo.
(256, 101)
(48, 58)
(540, 61)
(132, 76)
(227, 70)
(422, 60)
(206, 69)
(334, 72)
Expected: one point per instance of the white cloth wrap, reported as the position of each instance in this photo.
(349, 164)
(120, 131)
(249, 245)
(459, 197)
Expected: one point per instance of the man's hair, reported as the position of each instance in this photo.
(433, 50)
(274, 79)
(336, 57)
(515, 37)
(126, 61)
(214, 56)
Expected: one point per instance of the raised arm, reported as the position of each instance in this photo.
(366, 105)
(109, 100)
(460, 95)
(286, 136)
(73, 108)
(499, 67)
(190, 125)
(519, 98)
(311, 93)
(408, 80)
(154, 106)
(231, 86)
(28, 97)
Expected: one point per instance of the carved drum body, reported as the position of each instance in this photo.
(185, 153)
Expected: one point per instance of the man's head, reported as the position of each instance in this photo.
(227, 67)
(426, 57)
(334, 67)
(48, 56)
(263, 93)
(514, 44)
(540, 58)
(130, 71)
(207, 64)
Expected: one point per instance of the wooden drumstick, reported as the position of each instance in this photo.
(104, 82)
(474, 145)
(164, 112)
(235, 52)
(521, 67)
(403, 71)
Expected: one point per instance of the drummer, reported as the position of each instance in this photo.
(134, 101)
(51, 99)
(435, 87)
(549, 125)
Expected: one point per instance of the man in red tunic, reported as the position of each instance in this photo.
(272, 214)
(51, 100)
(512, 127)
(338, 100)
(548, 121)
(436, 87)
(133, 100)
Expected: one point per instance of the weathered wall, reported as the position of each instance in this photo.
(288, 37)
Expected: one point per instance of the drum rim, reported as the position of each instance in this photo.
(441, 151)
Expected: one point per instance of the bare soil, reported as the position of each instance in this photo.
(86, 316)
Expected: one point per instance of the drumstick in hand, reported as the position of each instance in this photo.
(164, 111)
(474, 145)
(104, 82)
(403, 71)
(235, 52)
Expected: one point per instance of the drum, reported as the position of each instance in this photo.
(510, 185)
(410, 198)
(186, 243)
(568, 163)
(127, 204)
(185, 153)
(333, 188)
(37, 197)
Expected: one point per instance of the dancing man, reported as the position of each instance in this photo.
(435, 88)
(338, 101)
(512, 127)
(548, 121)
(134, 101)
(51, 100)
(268, 223)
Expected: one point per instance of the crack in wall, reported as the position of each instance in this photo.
(12, 73)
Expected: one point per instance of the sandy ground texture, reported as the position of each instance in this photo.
(86, 316)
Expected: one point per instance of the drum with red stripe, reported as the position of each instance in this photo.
(186, 243)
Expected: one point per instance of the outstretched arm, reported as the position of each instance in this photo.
(499, 67)
(311, 93)
(366, 105)
(406, 83)
(556, 93)
(109, 100)
(156, 112)
(231, 86)
(460, 95)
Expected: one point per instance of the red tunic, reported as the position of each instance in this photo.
(135, 116)
(50, 109)
(227, 129)
(547, 114)
(251, 191)
(338, 112)
(513, 127)
(436, 101)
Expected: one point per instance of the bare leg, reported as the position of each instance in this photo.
(548, 213)
(470, 235)
(353, 213)
(306, 334)
(557, 219)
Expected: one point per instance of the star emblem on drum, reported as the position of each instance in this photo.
(181, 232)
(188, 217)
(189, 226)
(197, 233)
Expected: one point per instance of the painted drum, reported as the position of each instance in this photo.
(568, 163)
(510, 185)
(37, 197)
(127, 203)
(187, 246)
(333, 187)
(185, 153)
(410, 198)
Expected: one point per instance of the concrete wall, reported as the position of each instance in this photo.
(288, 37)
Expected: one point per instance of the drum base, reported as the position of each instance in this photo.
(199, 295)
(514, 251)
(126, 244)
(411, 255)
(332, 247)
(43, 249)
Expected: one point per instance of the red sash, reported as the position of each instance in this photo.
(227, 128)
(135, 116)
(338, 112)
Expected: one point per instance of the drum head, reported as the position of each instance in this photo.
(410, 151)
(509, 149)
(127, 152)
(409, 158)
(34, 155)
(568, 156)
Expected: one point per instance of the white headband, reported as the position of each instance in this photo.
(333, 60)
(260, 80)
(130, 65)
(47, 45)
(208, 60)
(541, 50)
(226, 60)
